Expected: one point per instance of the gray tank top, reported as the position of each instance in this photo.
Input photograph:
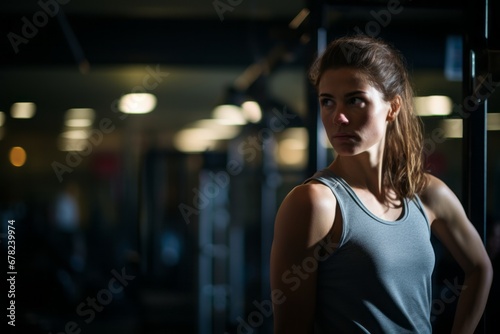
(378, 280)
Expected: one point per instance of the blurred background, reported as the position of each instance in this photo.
(145, 147)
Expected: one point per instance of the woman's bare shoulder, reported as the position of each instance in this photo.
(439, 199)
(307, 210)
(314, 195)
(434, 190)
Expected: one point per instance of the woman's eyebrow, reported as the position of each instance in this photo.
(356, 92)
(325, 95)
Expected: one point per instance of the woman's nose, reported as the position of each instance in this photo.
(340, 119)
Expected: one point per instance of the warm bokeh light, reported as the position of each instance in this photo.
(194, 140)
(139, 103)
(218, 129)
(252, 111)
(79, 117)
(17, 156)
(78, 123)
(229, 114)
(292, 148)
(290, 152)
(433, 105)
(2, 118)
(493, 122)
(23, 110)
(452, 127)
(76, 134)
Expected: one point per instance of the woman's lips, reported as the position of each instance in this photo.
(343, 136)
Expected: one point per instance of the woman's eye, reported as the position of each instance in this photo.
(326, 102)
(356, 101)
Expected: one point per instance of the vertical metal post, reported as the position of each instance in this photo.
(318, 33)
(214, 251)
(237, 233)
(205, 266)
(474, 107)
(270, 180)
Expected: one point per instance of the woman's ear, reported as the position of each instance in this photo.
(395, 108)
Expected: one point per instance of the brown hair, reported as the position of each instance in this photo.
(385, 68)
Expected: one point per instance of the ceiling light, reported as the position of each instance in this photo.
(194, 140)
(17, 156)
(219, 130)
(23, 110)
(140, 103)
(290, 153)
(79, 117)
(252, 111)
(229, 114)
(76, 134)
(433, 105)
(452, 127)
(298, 133)
(78, 123)
(292, 147)
(493, 122)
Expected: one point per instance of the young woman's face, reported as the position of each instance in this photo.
(353, 112)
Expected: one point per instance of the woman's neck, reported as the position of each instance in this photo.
(361, 172)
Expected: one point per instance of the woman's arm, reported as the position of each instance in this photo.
(304, 219)
(450, 224)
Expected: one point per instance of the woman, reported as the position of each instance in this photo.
(351, 251)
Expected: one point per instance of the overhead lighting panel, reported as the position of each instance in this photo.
(453, 127)
(493, 122)
(252, 111)
(292, 148)
(76, 134)
(217, 130)
(79, 117)
(23, 110)
(137, 103)
(194, 140)
(434, 105)
(229, 114)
